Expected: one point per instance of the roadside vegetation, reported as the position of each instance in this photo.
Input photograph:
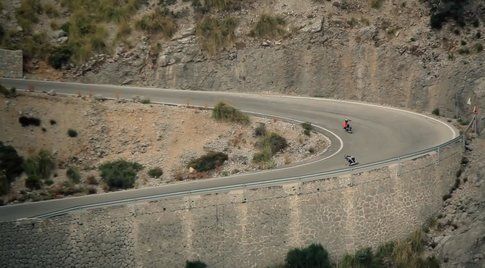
(404, 253)
(307, 128)
(8, 93)
(209, 161)
(119, 174)
(155, 172)
(269, 145)
(227, 113)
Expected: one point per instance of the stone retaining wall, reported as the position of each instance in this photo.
(11, 63)
(243, 228)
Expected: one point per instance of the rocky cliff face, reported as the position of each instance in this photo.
(339, 49)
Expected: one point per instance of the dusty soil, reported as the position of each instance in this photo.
(152, 135)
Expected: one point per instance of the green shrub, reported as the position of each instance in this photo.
(208, 161)
(224, 112)
(60, 56)
(312, 256)
(10, 162)
(158, 21)
(274, 142)
(119, 174)
(307, 128)
(72, 133)
(195, 264)
(40, 166)
(269, 27)
(73, 174)
(155, 172)
(216, 34)
(260, 130)
(436, 112)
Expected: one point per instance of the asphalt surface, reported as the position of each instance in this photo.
(379, 133)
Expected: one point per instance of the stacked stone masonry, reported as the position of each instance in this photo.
(11, 63)
(242, 228)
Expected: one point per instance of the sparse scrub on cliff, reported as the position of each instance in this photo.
(269, 27)
(27, 14)
(312, 256)
(216, 5)
(158, 21)
(119, 174)
(216, 33)
(227, 113)
(208, 161)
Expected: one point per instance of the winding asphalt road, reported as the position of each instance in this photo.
(380, 133)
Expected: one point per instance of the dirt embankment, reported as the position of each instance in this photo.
(152, 135)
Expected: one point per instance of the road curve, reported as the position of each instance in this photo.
(379, 133)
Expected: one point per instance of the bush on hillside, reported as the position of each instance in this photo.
(73, 174)
(158, 21)
(60, 56)
(208, 161)
(274, 142)
(312, 256)
(225, 112)
(216, 34)
(269, 27)
(195, 264)
(260, 130)
(40, 166)
(72, 133)
(120, 174)
(26, 121)
(155, 172)
(4, 183)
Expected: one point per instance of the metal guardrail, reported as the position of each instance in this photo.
(321, 175)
